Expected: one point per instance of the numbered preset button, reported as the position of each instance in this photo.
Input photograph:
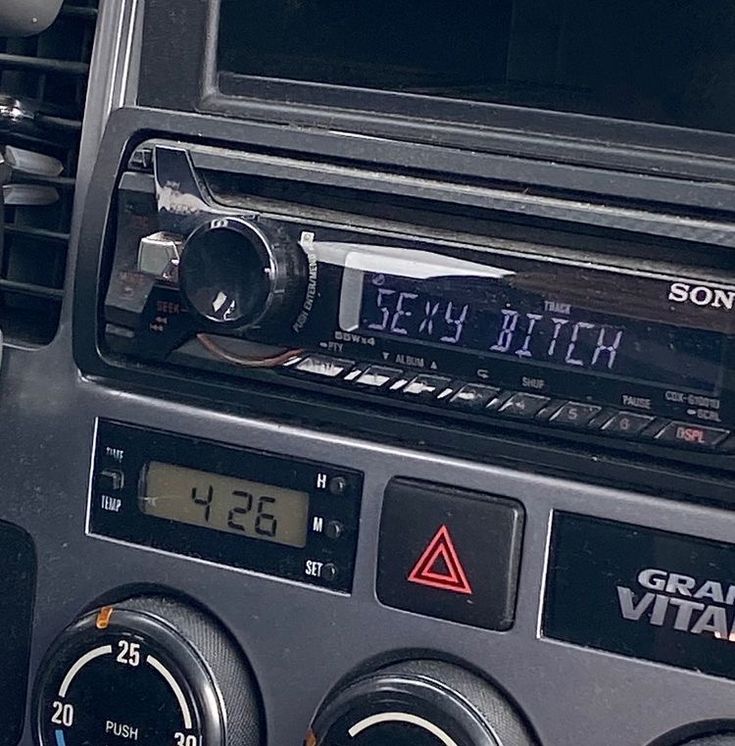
(575, 414)
(627, 424)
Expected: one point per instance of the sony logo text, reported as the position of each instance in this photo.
(701, 295)
(681, 602)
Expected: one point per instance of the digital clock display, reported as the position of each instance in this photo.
(495, 319)
(223, 503)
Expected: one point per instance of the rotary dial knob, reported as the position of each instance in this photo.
(149, 671)
(419, 703)
(233, 275)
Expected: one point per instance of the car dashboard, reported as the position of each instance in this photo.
(368, 373)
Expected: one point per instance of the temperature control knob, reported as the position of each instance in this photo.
(232, 275)
(149, 671)
(419, 703)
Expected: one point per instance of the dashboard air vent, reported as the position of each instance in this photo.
(43, 83)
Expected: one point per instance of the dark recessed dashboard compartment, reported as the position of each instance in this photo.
(633, 86)
(651, 61)
(17, 597)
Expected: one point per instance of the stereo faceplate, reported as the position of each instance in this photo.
(479, 330)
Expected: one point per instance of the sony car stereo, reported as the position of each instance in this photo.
(222, 269)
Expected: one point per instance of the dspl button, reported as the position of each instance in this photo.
(450, 553)
(688, 434)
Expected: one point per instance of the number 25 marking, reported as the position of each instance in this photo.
(129, 654)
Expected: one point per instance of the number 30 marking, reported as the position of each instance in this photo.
(186, 740)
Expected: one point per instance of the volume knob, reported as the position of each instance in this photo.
(232, 275)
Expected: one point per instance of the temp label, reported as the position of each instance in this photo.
(644, 593)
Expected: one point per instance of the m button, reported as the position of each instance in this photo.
(450, 553)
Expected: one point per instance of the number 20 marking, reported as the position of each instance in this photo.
(63, 714)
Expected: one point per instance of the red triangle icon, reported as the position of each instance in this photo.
(439, 566)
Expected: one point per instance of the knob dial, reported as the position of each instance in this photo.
(232, 275)
(151, 671)
(419, 703)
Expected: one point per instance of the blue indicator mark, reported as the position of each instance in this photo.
(60, 738)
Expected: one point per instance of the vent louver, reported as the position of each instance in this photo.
(46, 76)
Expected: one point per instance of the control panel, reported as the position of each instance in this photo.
(467, 575)
(149, 671)
(235, 507)
(449, 395)
(208, 274)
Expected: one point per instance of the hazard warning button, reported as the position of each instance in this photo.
(449, 553)
(440, 567)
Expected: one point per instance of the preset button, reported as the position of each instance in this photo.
(378, 376)
(425, 386)
(324, 367)
(575, 414)
(627, 424)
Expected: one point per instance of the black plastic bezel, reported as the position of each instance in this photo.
(179, 72)
(128, 524)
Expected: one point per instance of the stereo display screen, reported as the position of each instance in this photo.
(495, 319)
(660, 61)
